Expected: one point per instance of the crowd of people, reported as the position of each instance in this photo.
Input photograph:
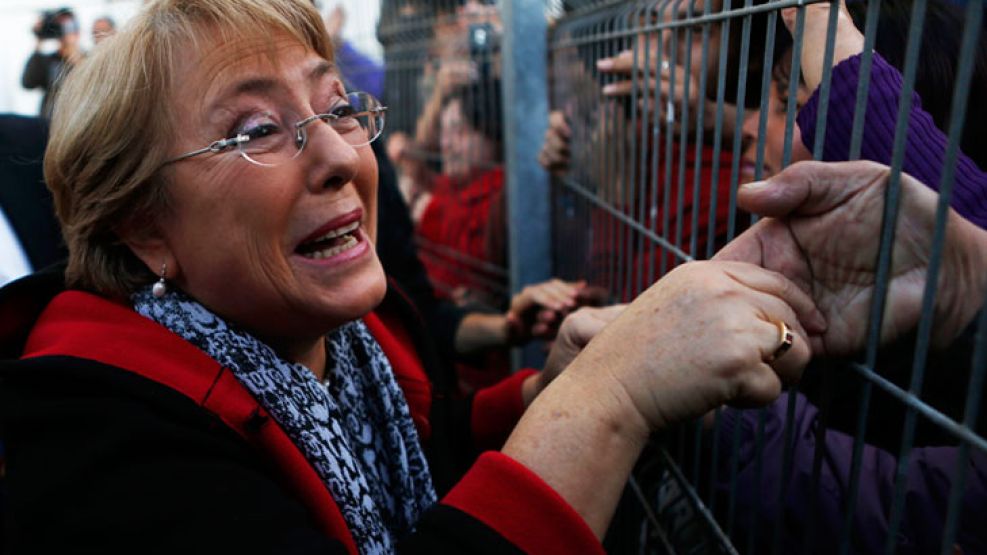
(253, 325)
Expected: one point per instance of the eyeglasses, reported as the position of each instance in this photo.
(268, 139)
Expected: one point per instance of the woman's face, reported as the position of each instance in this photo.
(464, 149)
(250, 242)
(774, 139)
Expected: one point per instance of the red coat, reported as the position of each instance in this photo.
(82, 334)
(454, 234)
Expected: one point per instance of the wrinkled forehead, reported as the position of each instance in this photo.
(218, 68)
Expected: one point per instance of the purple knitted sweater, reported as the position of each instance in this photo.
(926, 144)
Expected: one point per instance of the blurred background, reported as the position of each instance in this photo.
(17, 39)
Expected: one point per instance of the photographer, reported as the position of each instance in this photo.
(46, 70)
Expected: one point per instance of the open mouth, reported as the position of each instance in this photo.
(334, 242)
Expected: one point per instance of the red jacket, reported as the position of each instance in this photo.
(91, 336)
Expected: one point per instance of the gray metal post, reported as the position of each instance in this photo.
(525, 98)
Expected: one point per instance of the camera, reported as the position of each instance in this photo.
(51, 27)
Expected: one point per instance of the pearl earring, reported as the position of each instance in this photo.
(160, 287)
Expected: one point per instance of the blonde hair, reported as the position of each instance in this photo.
(111, 126)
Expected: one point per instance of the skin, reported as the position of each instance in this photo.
(774, 141)
(849, 41)
(584, 432)
(464, 149)
(229, 239)
(821, 231)
(101, 29)
(658, 79)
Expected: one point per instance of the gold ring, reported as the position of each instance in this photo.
(785, 340)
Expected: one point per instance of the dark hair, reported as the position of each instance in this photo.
(481, 107)
(937, 64)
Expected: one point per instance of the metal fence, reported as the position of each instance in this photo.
(714, 98)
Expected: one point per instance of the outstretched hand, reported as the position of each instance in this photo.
(822, 232)
(537, 311)
(848, 41)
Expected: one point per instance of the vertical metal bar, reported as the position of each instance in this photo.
(863, 406)
(863, 83)
(721, 88)
(684, 130)
(961, 93)
(528, 195)
(711, 240)
(629, 132)
(745, 43)
(793, 86)
(697, 183)
(766, 84)
(641, 129)
(824, 408)
(609, 132)
(786, 466)
(776, 541)
(667, 160)
(762, 418)
(978, 378)
(655, 147)
(825, 85)
(928, 299)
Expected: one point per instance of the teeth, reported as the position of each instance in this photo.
(339, 231)
(348, 243)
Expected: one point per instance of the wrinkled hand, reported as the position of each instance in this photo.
(822, 232)
(696, 339)
(849, 41)
(655, 84)
(537, 311)
(576, 331)
(556, 152)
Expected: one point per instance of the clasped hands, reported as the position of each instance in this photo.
(704, 334)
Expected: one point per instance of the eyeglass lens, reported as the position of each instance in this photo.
(358, 118)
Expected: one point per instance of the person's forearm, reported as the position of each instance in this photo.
(427, 129)
(585, 451)
(478, 332)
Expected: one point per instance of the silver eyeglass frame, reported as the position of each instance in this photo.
(301, 136)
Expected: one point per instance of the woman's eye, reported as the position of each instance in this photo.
(343, 111)
(259, 126)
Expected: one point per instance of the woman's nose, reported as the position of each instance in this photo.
(335, 162)
(752, 119)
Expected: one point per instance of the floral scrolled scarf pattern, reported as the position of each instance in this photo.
(354, 428)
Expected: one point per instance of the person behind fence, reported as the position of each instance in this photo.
(811, 209)
(45, 70)
(671, 98)
(209, 368)
(931, 102)
(462, 228)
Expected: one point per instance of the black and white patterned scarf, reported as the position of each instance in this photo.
(355, 428)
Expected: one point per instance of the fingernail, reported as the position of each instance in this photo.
(604, 64)
(609, 89)
(754, 186)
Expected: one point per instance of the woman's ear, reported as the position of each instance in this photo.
(151, 247)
